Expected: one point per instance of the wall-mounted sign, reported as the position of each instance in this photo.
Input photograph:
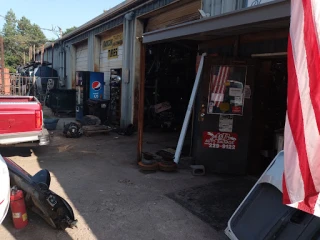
(112, 42)
(113, 53)
(225, 123)
(226, 90)
(220, 140)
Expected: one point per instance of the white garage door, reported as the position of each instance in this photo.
(110, 58)
(82, 57)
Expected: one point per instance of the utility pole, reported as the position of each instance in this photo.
(2, 62)
(34, 52)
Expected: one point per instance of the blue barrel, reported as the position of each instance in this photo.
(79, 112)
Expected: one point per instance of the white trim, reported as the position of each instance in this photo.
(18, 140)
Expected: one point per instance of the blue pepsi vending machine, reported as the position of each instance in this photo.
(89, 85)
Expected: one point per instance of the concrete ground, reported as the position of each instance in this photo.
(111, 198)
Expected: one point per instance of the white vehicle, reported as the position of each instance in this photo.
(262, 216)
(4, 189)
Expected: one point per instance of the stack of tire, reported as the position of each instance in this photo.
(149, 163)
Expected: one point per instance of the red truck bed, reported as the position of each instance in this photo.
(21, 119)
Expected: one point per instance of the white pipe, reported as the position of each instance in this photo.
(189, 110)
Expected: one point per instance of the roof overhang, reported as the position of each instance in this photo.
(262, 17)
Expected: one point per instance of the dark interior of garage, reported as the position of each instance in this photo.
(269, 111)
(170, 74)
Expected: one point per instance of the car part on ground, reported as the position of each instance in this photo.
(72, 130)
(39, 198)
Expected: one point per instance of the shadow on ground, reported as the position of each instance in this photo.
(111, 198)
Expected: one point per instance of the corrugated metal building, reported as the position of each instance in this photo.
(227, 28)
(87, 49)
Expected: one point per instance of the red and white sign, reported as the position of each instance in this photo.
(237, 109)
(220, 140)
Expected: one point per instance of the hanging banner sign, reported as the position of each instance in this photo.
(112, 42)
(220, 140)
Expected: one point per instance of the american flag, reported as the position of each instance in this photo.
(301, 181)
(218, 82)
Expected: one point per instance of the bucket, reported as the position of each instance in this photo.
(50, 123)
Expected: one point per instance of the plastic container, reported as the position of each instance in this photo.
(50, 123)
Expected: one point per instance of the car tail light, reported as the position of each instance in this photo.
(38, 119)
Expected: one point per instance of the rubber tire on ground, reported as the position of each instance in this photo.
(148, 162)
(167, 166)
(153, 167)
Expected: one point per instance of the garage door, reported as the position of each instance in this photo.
(110, 56)
(82, 57)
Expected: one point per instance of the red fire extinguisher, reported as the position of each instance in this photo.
(18, 208)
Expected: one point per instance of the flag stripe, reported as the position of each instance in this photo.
(312, 138)
(225, 78)
(216, 84)
(312, 116)
(313, 58)
(286, 198)
(220, 77)
(316, 17)
(301, 180)
(293, 174)
(295, 120)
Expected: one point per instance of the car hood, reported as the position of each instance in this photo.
(4, 189)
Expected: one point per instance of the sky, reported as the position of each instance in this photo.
(52, 13)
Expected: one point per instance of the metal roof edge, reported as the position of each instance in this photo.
(110, 13)
(148, 37)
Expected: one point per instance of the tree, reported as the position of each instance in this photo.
(9, 34)
(68, 30)
(29, 34)
(19, 35)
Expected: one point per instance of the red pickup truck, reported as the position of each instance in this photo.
(21, 122)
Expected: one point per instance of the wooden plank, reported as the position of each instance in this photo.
(171, 6)
(245, 38)
(184, 13)
(217, 42)
(95, 128)
(262, 36)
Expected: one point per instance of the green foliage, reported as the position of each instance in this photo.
(68, 30)
(18, 36)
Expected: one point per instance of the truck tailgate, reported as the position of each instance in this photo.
(17, 116)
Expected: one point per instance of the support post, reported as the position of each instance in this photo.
(141, 100)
